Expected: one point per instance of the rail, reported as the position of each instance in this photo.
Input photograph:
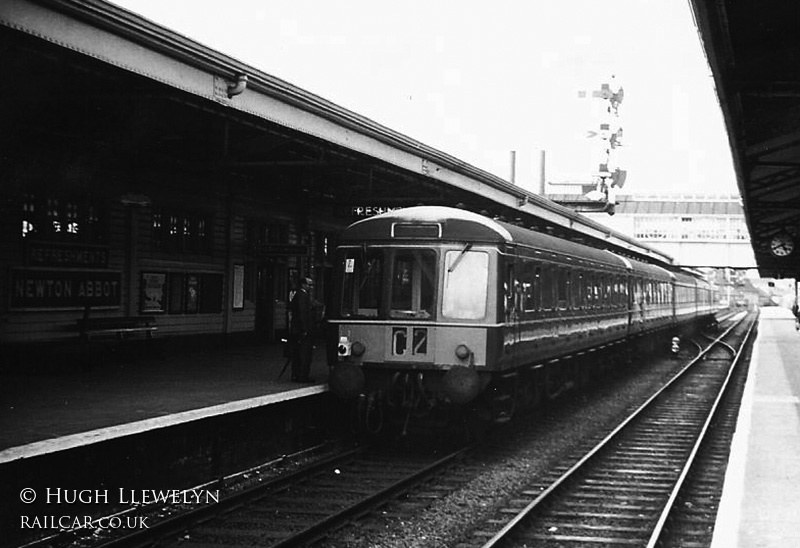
(634, 435)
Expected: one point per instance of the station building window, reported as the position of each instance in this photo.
(738, 229)
(323, 246)
(257, 233)
(262, 242)
(176, 231)
(695, 227)
(191, 293)
(61, 218)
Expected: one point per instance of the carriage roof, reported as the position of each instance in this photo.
(445, 224)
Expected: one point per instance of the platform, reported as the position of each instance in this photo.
(760, 503)
(44, 412)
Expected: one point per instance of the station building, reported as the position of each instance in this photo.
(701, 231)
(697, 230)
(145, 175)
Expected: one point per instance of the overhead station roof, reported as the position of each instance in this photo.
(659, 206)
(164, 95)
(753, 48)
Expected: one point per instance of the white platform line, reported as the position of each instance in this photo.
(726, 526)
(112, 432)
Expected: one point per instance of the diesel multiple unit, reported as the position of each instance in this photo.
(437, 305)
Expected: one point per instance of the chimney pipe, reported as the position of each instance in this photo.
(541, 172)
(513, 165)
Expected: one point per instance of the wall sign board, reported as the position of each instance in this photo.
(154, 292)
(65, 255)
(42, 289)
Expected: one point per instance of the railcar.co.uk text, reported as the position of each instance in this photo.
(122, 496)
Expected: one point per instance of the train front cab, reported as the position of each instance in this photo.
(417, 309)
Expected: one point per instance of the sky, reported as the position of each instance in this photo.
(478, 79)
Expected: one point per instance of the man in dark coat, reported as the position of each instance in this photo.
(302, 324)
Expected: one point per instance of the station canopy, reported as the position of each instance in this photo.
(753, 48)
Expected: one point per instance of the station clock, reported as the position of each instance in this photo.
(781, 244)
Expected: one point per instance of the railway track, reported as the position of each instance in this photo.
(624, 490)
(304, 506)
(300, 507)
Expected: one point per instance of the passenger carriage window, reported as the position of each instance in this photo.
(547, 277)
(613, 296)
(529, 278)
(596, 281)
(588, 299)
(577, 290)
(562, 286)
(466, 285)
(638, 298)
(363, 277)
(509, 300)
(413, 283)
(514, 296)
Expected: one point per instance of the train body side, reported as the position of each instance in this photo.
(557, 301)
(432, 290)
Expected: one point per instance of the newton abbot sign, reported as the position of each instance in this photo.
(34, 288)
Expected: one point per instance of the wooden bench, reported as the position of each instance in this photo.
(118, 328)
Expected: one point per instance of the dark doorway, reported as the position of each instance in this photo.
(265, 301)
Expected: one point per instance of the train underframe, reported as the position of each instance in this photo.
(398, 400)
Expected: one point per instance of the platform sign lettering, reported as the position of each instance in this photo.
(49, 289)
(49, 254)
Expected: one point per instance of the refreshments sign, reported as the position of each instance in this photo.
(66, 255)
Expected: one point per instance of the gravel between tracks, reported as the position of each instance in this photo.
(512, 458)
